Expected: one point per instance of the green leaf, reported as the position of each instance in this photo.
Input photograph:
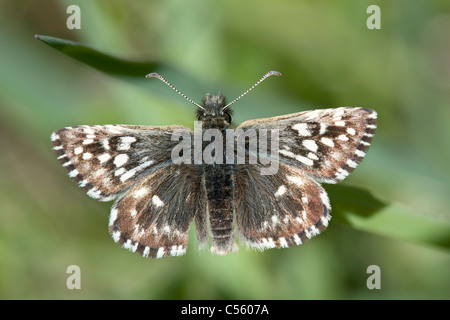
(360, 209)
(98, 60)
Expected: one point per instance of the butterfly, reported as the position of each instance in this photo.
(157, 198)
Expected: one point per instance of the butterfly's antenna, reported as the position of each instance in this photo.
(268, 74)
(160, 77)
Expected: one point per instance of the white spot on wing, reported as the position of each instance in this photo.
(313, 114)
(116, 236)
(83, 183)
(94, 193)
(87, 156)
(113, 129)
(327, 141)
(302, 129)
(133, 171)
(360, 153)
(352, 163)
(88, 141)
(120, 159)
(107, 198)
(310, 145)
(54, 137)
(275, 220)
(141, 192)
(313, 156)
(127, 245)
(119, 172)
(314, 231)
(270, 243)
(341, 174)
(105, 143)
(177, 250)
(308, 235)
(127, 175)
(304, 215)
(160, 253)
(104, 157)
(339, 113)
(299, 158)
(113, 216)
(73, 173)
(325, 200)
(323, 128)
(324, 221)
(283, 242)
(88, 130)
(157, 201)
(281, 190)
(295, 180)
(125, 143)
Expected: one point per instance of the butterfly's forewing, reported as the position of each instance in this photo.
(107, 160)
(153, 217)
(326, 144)
(280, 210)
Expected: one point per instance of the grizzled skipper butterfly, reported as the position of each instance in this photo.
(161, 184)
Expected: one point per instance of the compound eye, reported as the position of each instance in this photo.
(200, 114)
(227, 117)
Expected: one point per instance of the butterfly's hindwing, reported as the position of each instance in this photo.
(281, 210)
(107, 160)
(326, 144)
(153, 217)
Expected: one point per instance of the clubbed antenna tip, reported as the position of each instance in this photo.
(160, 77)
(264, 77)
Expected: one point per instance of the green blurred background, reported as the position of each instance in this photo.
(328, 58)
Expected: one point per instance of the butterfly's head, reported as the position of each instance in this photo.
(213, 107)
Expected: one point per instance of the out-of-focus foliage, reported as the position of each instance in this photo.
(328, 58)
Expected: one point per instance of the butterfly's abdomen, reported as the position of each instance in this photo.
(219, 192)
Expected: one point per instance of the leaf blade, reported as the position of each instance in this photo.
(359, 209)
(99, 60)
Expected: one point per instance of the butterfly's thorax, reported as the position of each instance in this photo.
(218, 178)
